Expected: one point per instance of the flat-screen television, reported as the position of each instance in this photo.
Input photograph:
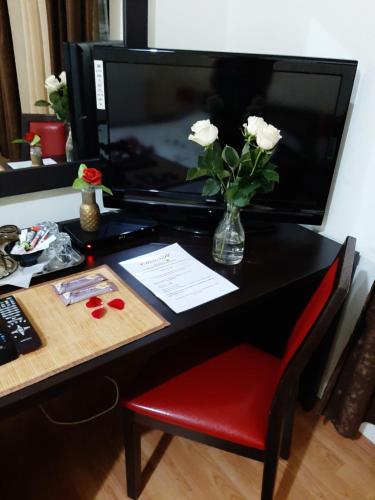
(150, 98)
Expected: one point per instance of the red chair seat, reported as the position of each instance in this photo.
(227, 396)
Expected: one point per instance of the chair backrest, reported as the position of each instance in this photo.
(309, 315)
(316, 319)
(52, 137)
(52, 133)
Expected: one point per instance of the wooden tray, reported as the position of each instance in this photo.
(70, 335)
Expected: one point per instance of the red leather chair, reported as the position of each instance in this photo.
(240, 400)
(52, 133)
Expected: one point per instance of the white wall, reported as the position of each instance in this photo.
(337, 29)
(55, 205)
(115, 20)
(334, 29)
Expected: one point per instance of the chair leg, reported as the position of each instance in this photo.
(286, 439)
(132, 444)
(269, 476)
(271, 459)
(287, 431)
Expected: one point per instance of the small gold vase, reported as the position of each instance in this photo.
(36, 155)
(89, 213)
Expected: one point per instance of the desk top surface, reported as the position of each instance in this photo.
(70, 335)
(273, 261)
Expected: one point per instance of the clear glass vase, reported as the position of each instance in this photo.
(229, 237)
(69, 144)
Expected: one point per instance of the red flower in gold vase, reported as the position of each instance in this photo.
(29, 138)
(89, 177)
(92, 176)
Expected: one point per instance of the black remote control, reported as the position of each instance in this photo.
(7, 349)
(17, 327)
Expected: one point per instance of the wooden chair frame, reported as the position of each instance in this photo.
(280, 421)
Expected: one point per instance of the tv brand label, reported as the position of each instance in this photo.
(99, 84)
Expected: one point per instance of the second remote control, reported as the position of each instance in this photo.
(18, 327)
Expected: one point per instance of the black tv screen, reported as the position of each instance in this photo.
(153, 97)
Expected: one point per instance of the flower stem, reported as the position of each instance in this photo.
(238, 171)
(256, 161)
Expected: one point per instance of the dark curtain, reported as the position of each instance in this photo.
(10, 108)
(349, 398)
(70, 21)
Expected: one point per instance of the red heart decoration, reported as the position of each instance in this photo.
(94, 302)
(117, 303)
(98, 313)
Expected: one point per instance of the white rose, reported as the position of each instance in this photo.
(62, 77)
(204, 133)
(254, 123)
(52, 84)
(267, 137)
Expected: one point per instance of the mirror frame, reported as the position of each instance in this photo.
(43, 178)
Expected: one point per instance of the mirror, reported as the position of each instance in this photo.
(15, 178)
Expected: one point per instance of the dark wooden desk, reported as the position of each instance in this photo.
(278, 265)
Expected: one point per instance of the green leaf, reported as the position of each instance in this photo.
(271, 166)
(60, 104)
(264, 159)
(231, 191)
(224, 174)
(271, 175)
(80, 184)
(105, 189)
(254, 154)
(214, 162)
(266, 186)
(246, 190)
(42, 102)
(240, 200)
(217, 149)
(230, 156)
(245, 158)
(36, 140)
(19, 141)
(202, 162)
(245, 169)
(245, 149)
(81, 169)
(211, 187)
(248, 187)
(194, 173)
(55, 97)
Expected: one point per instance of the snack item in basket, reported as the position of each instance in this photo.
(87, 292)
(76, 283)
